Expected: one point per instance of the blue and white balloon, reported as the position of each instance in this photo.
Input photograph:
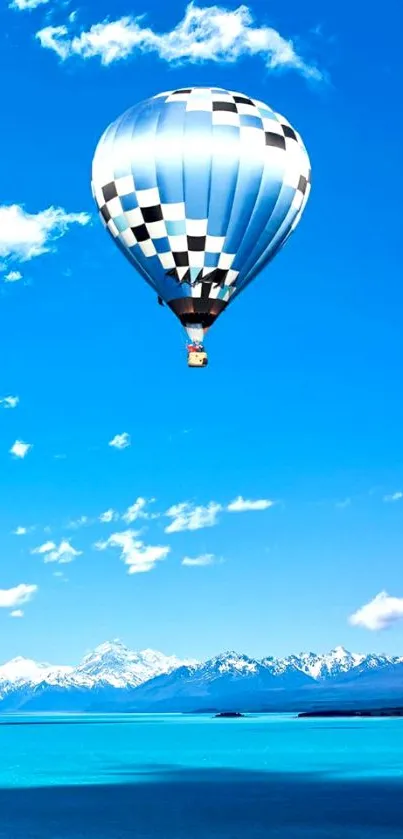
(200, 188)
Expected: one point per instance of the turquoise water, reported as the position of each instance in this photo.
(179, 777)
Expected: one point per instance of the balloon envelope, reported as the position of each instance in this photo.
(200, 188)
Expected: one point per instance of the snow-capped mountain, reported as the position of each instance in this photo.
(333, 664)
(115, 664)
(114, 677)
(227, 680)
(21, 671)
(109, 665)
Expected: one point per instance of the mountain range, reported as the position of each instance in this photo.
(114, 678)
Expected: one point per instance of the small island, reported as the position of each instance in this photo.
(229, 715)
(355, 712)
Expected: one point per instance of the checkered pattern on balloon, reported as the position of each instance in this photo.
(200, 188)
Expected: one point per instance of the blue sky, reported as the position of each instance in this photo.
(302, 403)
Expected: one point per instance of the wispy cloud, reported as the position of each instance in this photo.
(9, 401)
(396, 496)
(138, 556)
(243, 505)
(25, 235)
(20, 449)
(80, 522)
(203, 559)
(13, 277)
(62, 553)
(138, 510)
(380, 613)
(13, 597)
(120, 441)
(17, 613)
(212, 33)
(108, 516)
(26, 5)
(186, 516)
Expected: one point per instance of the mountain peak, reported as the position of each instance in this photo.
(231, 661)
(117, 665)
(109, 646)
(340, 651)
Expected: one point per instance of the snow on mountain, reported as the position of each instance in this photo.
(110, 664)
(112, 675)
(228, 680)
(334, 664)
(115, 664)
(230, 663)
(24, 670)
(286, 673)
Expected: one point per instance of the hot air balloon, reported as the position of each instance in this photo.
(200, 188)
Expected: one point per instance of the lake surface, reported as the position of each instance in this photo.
(191, 777)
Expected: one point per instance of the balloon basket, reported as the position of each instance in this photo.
(197, 359)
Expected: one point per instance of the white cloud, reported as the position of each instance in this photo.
(396, 496)
(20, 531)
(137, 510)
(13, 277)
(10, 401)
(44, 549)
(62, 554)
(20, 449)
(24, 5)
(108, 516)
(203, 559)
(185, 516)
(26, 235)
(11, 597)
(380, 613)
(17, 613)
(209, 33)
(134, 553)
(120, 441)
(242, 505)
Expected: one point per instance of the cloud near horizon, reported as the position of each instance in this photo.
(210, 33)
(380, 613)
